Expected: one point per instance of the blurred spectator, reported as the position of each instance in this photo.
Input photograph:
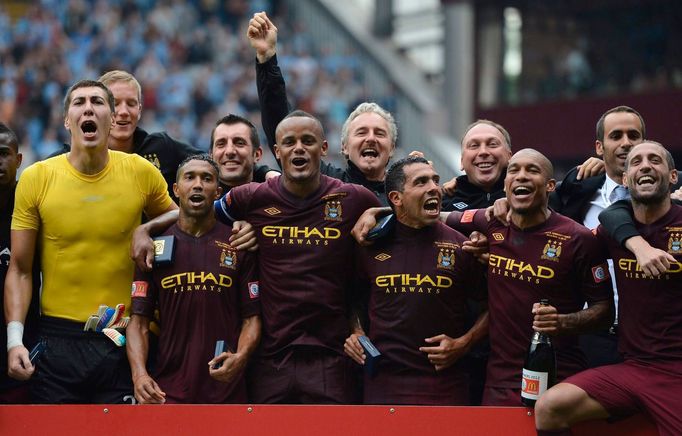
(189, 57)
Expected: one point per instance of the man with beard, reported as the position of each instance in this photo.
(650, 336)
(368, 136)
(209, 293)
(418, 280)
(80, 209)
(541, 255)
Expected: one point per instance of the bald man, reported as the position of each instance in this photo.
(542, 254)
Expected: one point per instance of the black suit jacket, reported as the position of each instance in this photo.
(572, 197)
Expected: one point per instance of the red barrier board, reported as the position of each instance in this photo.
(171, 420)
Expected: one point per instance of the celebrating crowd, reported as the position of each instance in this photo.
(281, 287)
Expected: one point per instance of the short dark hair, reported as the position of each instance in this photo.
(395, 176)
(303, 114)
(627, 109)
(12, 139)
(232, 119)
(502, 130)
(668, 156)
(204, 157)
(89, 84)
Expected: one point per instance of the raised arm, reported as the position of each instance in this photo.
(272, 95)
(18, 291)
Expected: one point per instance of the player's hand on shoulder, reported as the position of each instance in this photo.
(272, 174)
(593, 166)
(243, 236)
(677, 194)
(142, 249)
(500, 210)
(364, 224)
(478, 246)
(450, 187)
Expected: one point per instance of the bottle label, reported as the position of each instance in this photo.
(533, 384)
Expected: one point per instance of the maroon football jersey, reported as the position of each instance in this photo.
(202, 298)
(559, 260)
(650, 325)
(306, 258)
(419, 280)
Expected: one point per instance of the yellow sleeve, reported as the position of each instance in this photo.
(26, 215)
(154, 189)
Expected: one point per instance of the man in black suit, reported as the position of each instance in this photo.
(618, 130)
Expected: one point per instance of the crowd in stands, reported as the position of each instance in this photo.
(190, 58)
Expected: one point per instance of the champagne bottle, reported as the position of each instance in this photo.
(539, 369)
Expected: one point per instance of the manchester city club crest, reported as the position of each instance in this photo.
(228, 258)
(552, 250)
(333, 210)
(675, 243)
(446, 258)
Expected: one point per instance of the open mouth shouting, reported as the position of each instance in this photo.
(89, 129)
(299, 163)
(432, 207)
(196, 199)
(369, 153)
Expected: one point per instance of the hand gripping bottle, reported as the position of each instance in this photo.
(539, 369)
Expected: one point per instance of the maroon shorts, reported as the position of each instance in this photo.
(630, 387)
(303, 375)
(417, 389)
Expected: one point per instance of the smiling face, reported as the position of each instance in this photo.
(88, 118)
(528, 182)
(300, 146)
(196, 188)
(622, 131)
(128, 110)
(418, 205)
(369, 144)
(233, 151)
(485, 154)
(649, 175)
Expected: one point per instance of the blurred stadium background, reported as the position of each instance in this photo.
(546, 70)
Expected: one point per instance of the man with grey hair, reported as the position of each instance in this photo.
(368, 136)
